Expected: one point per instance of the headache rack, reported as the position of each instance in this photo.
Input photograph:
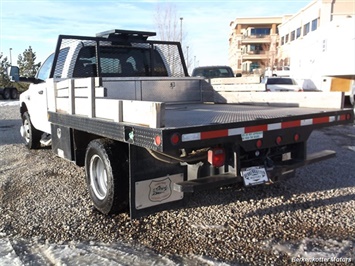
(171, 52)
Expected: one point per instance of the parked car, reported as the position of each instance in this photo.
(210, 72)
(278, 72)
(281, 84)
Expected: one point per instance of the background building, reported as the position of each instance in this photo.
(253, 43)
(317, 43)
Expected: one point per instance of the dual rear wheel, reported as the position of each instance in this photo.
(106, 167)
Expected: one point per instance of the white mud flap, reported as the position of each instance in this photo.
(152, 182)
(157, 191)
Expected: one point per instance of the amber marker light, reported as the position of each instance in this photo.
(157, 140)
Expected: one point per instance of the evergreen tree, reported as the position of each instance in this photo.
(4, 64)
(26, 63)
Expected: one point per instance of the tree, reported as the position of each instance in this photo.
(167, 23)
(4, 64)
(169, 28)
(26, 63)
(270, 61)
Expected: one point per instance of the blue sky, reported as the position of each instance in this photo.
(205, 24)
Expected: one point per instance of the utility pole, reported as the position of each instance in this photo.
(181, 29)
(187, 55)
(10, 57)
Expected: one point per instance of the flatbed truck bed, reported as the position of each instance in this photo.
(213, 114)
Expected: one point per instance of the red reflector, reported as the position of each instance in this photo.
(321, 120)
(259, 143)
(348, 116)
(216, 157)
(255, 128)
(296, 137)
(157, 140)
(175, 138)
(278, 140)
(289, 124)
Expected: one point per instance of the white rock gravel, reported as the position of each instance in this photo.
(43, 200)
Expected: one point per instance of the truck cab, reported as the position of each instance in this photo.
(210, 72)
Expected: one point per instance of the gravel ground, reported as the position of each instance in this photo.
(44, 197)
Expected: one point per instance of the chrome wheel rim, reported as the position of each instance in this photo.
(27, 128)
(98, 177)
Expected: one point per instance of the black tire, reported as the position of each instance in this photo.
(106, 167)
(14, 93)
(31, 135)
(6, 94)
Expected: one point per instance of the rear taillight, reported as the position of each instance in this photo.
(175, 138)
(216, 157)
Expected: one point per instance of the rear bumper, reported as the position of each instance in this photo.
(228, 178)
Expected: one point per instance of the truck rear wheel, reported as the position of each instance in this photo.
(107, 175)
(6, 94)
(14, 93)
(31, 135)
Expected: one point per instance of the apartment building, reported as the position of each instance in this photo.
(253, 43)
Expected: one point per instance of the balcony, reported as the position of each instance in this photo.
(256, 39)
(255, 55)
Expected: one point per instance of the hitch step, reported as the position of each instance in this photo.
(311, 158)
(207, 183)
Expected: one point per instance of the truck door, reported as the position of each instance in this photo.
(37, 98)
(37, 106)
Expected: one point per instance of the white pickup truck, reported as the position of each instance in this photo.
(124, 107)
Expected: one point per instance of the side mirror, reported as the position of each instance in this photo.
(14, 73)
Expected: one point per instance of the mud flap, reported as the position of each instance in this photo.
(152, 182)
(62, 141)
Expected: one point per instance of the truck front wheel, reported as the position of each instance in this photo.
(31, 135)
(107, 175)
